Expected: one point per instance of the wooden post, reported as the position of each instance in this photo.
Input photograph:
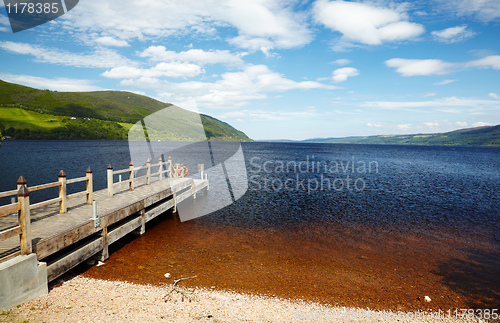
(148, 172)
(160, 169)
(24, 218)
(110, 180)
(201, 169)
(193, 189)
(176, 170)
(21, 182)
(131, 175)
(63, 208)
(169, 165)
(90, 186)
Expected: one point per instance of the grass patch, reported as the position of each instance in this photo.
(125, 125)
(23, 119)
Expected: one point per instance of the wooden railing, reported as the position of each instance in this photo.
(172, 170)
(22, 207)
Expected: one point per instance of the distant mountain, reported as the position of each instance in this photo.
(276, 140)
(28, 113)
(479, 136)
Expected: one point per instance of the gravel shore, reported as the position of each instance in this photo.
(83, 299)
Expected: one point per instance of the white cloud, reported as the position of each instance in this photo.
(124, 72)
(492, 61)
(341, 74)
(174, 69)
(265, 20)
(406, 126)
(364, 23)
(342, 61)
(485, 10)
(261, 115)
(431, 126)
(444, 82)
(100, 58)
(438, 103)
(57, 84)
(110, 41)
(420, 13)
(260, 25)
(374, 124)
(413, 67)
(494, 95)
(428, 94)
(481, 124)
(253, 43)
(198, 56)
(453, 34)
(233, 89)
(4, 20)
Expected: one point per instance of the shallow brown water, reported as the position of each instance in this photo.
(338, 264)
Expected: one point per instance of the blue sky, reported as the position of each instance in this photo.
(278, 69)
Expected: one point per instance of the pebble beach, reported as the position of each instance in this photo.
(81, 299)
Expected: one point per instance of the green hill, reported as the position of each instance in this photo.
(28, 113)
(480, 136)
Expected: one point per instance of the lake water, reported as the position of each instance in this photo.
(363, 205)
(296, 183)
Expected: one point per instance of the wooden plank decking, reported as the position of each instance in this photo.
(51, 231)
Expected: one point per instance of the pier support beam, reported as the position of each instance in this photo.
(103, 255)
(142, 229)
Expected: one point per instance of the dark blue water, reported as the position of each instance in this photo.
(292, 183)
(40, 162)
(404, 185)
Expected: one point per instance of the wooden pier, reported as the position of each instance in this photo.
(65, 231)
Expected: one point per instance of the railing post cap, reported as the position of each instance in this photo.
(131, 163)
(110, 167)
(89, 170)
(61, 174)
(148, 161)
(21, 181)
(23, 192)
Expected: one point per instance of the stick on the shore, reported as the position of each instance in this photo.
(174, 287)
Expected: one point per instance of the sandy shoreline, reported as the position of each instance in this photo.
(83, 299)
